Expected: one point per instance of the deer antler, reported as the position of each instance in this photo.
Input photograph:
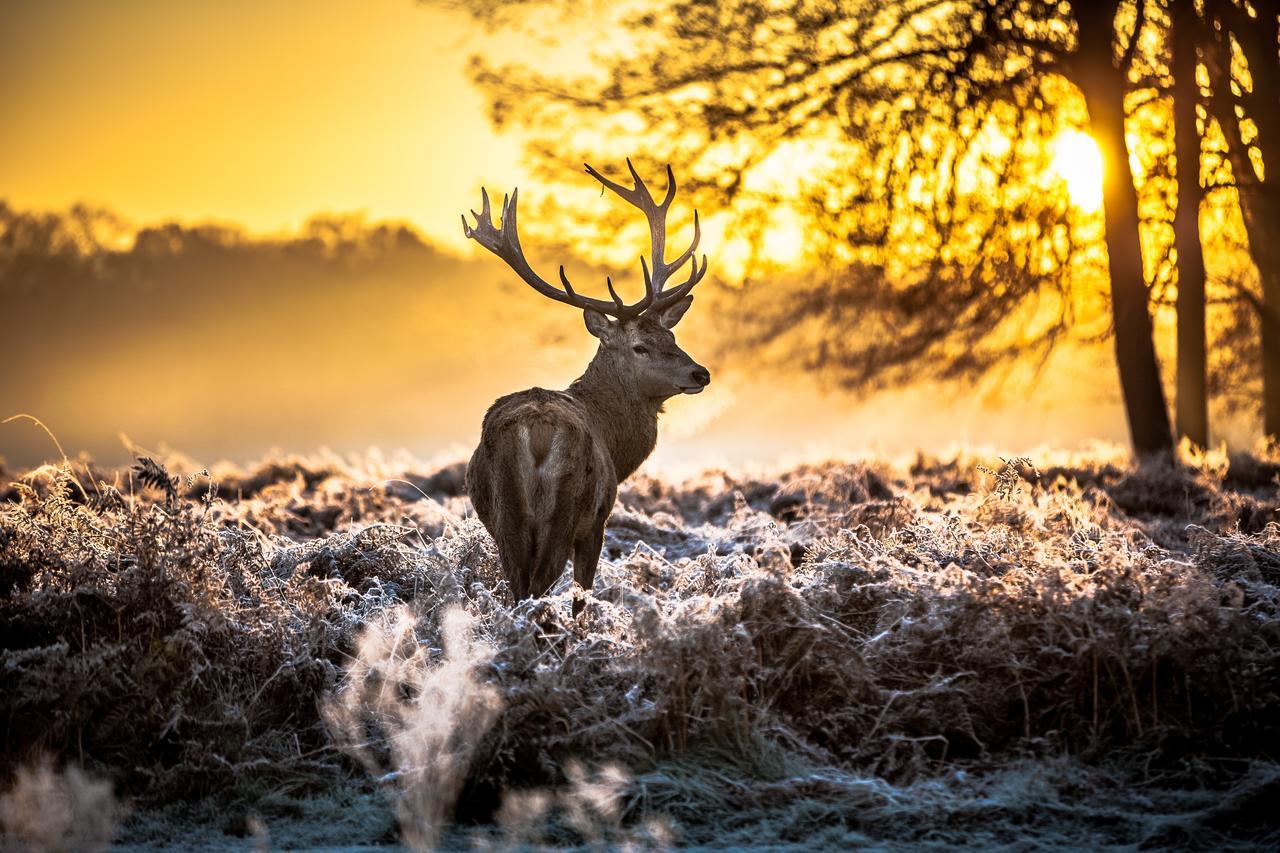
(504, 242)
(656, 214)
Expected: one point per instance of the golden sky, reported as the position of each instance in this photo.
(262, 113)
(258, 112)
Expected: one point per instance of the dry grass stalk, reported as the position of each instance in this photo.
(45, 810)
(414, 716)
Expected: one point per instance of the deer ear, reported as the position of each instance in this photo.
(672, 315)
(597, 324)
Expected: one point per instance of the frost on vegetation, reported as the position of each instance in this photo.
(776, 646)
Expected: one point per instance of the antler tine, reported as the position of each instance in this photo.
(644, 198)
(670, 297)
(639, 194)
(481, 217)
(608, 281)
(671, 189)
(564, 279)
(688, 253)
(510, 230)
(614, 186)
(649, 293)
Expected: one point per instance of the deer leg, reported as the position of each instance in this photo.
(514, 552)
(551, 554)
(586, 556)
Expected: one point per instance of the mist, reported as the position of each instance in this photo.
(349, 335)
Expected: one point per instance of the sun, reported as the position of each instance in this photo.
(1078, 161)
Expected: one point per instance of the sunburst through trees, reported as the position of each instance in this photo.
(946, 165)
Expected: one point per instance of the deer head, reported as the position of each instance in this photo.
(636, 344)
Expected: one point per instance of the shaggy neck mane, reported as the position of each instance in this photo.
(624, 420)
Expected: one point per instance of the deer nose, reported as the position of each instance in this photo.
(701, 376)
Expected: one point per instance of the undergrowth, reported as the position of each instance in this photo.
(844, 648)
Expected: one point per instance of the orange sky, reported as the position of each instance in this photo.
(260, 113)
(264, 113)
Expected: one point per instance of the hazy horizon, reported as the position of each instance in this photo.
(416, 375)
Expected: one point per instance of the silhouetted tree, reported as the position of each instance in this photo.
(1245, 70)
(1103, 83)
(1192, 399)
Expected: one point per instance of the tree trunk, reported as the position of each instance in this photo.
(1103, 86)
(1259, 201)
(1193, 399)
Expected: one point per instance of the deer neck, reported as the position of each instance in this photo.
(624, 420)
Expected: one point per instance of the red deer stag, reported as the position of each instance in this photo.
(545, 476)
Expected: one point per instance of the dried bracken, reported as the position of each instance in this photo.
(847, 648)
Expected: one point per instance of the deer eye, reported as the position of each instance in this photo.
(640, 350)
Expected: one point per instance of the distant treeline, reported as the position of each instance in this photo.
(45, 256)
(213, 339)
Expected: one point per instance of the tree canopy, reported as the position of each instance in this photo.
(906, 148)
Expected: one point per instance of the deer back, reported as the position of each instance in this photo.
(540, 464)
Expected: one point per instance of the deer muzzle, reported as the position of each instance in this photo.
(700, 378)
